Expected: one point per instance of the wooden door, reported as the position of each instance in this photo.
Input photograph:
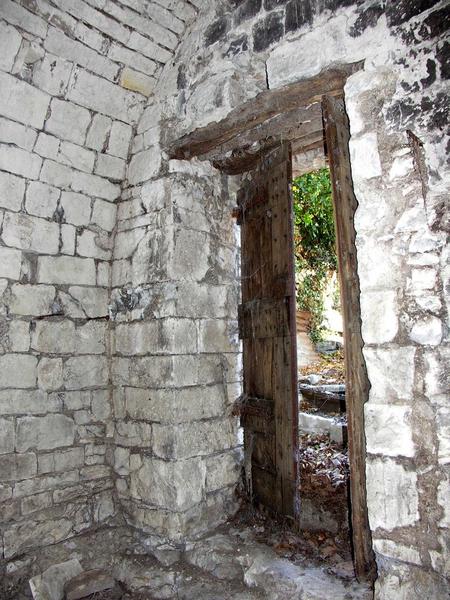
(269, 410)
(337, 135)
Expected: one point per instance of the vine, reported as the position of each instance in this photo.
(314, 243)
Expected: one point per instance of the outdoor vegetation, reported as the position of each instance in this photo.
(314, 244)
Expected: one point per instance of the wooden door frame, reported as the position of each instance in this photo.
(306, 114)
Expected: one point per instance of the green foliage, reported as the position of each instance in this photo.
(314, 239)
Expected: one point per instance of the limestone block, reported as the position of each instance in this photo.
(443, 434)
(119, 139)
(148, 48)
(131, 434)
(128, 57)
(19, 336)
(44, 433)
(36, 502)
(15, 133)
(175, 405)
(379, 315)
(54, 337)
(36, 485)
(77, 208)
(19, 161)
(102, 96)
(7, 436)
(30, 233)
(388, 430)
(47, 146)
(196, 370)
(18, 371)
(111, 167)
(126, 242)
(61, 460)
(17, 402)
(23, 102)
(137, 82)
(413, 219)
(91, 337)
(97, 137)
(173, 485)
(104, 214)
(151, 116)
(392, 495)
(65, 47)
(428, 331)
(85, 372)
(190, 259)
(15, 467)
(218, 335)
(223, 470)
(193, 439)
(76, 157)
(10, 263)
(210, 300)
(41, 199)
(50, 584)
(138, 338)
(364, 156)
(66, 270)
(36, 300)
(50, 374)
(67, 239)
(437, 376)
(144, 165)
(10, 41)
(422, 279)
(399, 384)
(12, 189)
(443, 498)
(103, 274)
(122, 460)
(93, 301)
(52, 74)
(68, 121)
(94, 245)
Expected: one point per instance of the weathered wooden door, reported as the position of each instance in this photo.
(269, 411)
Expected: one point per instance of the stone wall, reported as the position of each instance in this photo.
(74, 79)
(399, 124)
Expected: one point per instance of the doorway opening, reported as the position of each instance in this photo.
(259, 140)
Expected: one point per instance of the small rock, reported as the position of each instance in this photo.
(50, 584)
(87, 583)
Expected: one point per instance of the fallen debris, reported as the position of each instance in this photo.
(88, 583)
(49, 585)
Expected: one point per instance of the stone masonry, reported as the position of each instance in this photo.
(119, 267)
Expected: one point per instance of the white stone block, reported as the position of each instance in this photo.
(137, 82)
(22, 102)
(41, 199)
(19, 161)
(10, 41)
(91, 337)
(47, 146)
(30, 233)
(104, 214)
(6, 436)
(93, 301)
(10, 263)
(67, 239)
(18, 15)
(105, 97)
(364, 157)
(422, 279)
(68, 121)
(93, 185)
(95, 245)
(397, 551)
(388, 430)
(19, 336)
(66, 270)
(35, 300)
(103, 273)
(77, 208)
(111, 167)
(443, 434)
(148, 48)
(144, 165)
(52, 74)
(379, 315)
(15, 133)
(54, 337)
(50, 374)
(153, 195)
(76, 157)
(391, 495)
(13, 364)
(12, 189)
(44, 433)
(84, 372)
(97, 136)
(443, 498)
(129, 57)
(428, 331)
(389, 383)
(65, 47)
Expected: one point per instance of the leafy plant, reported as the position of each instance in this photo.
(314, 240)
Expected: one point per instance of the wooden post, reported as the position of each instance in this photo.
(357, 384)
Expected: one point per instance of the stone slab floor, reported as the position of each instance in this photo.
(228, 564)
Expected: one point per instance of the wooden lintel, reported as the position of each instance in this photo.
(264, 106)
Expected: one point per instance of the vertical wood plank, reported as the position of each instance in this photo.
(357, 384)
